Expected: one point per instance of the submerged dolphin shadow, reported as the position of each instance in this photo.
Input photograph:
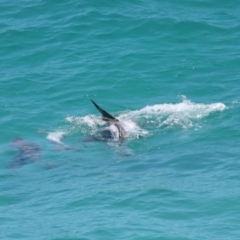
(28, 152)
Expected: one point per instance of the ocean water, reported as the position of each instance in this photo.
(169, 70)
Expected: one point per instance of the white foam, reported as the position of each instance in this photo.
(90, 123)
(89, 120)
(184, 114)
(132, 129)
(56, 137)
(181, 114)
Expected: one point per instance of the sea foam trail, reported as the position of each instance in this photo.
(181, 114)
(185, 114)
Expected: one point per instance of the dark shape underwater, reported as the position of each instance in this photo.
(28, 152)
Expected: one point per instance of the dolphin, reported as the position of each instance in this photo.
(28, 152)
(114, 130)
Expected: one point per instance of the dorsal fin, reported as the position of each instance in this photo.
(105, 115)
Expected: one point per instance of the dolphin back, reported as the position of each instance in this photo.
(105, 115)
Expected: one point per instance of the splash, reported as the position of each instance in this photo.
(56, 137)
(185, 114)
(89, 120)
(89, 124)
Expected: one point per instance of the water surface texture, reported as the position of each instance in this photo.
(170, 70)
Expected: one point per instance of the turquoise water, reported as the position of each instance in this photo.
(170, 70)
